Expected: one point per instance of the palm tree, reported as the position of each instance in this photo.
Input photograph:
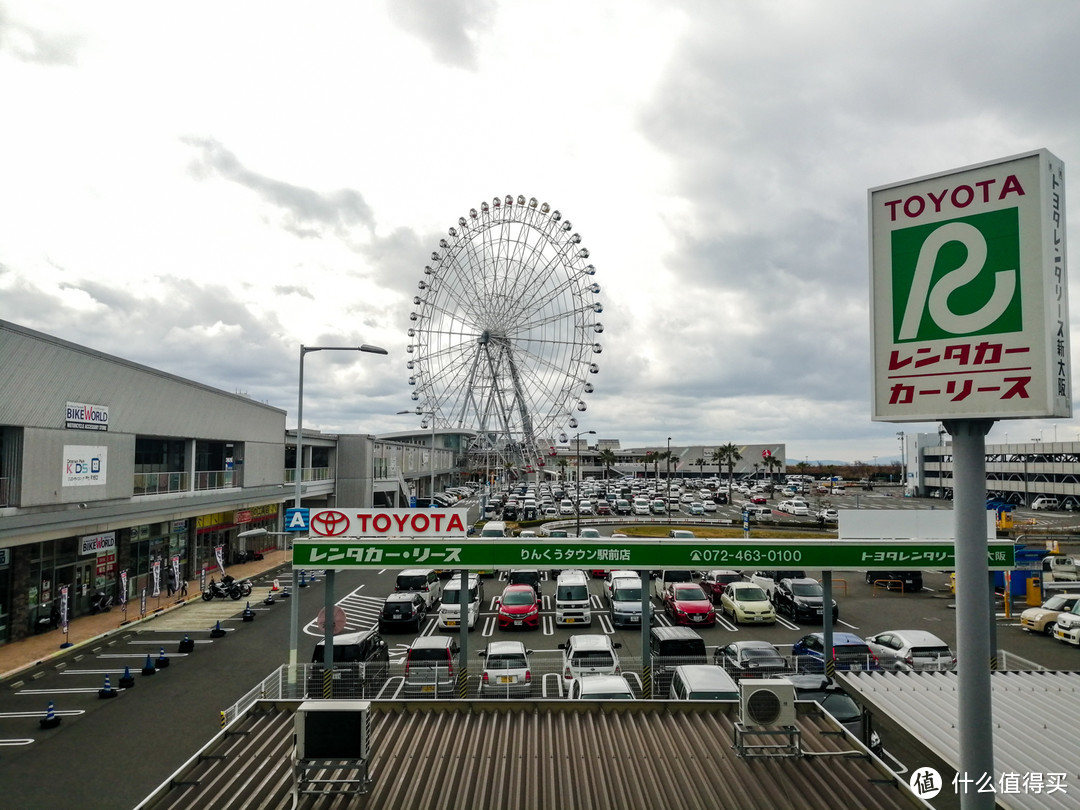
(700, 466)
(771, 464)
(562, 463)
(607, 459)
(647, 461)
(727, 454)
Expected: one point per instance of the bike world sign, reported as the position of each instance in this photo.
(490, 554)
(969, 303)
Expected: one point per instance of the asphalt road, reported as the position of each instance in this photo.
(112, 753)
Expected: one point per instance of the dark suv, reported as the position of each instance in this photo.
(361, 664)
(802, 598)
(849, 652)
(403, 610)
(525, 576)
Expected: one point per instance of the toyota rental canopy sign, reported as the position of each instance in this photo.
(969, 311)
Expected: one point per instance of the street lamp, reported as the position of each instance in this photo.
(294, 606)
(431, 414)
(577, 449)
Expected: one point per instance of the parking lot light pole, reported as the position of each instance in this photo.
(577, 449)
(667, 500)
(294, 605)
(431, 415)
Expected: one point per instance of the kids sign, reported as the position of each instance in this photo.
(969, 304)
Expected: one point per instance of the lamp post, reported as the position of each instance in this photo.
(294, 606)
(431, 414)
(667, 499)
(577, 449)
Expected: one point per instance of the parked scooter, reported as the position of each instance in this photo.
(100, 603)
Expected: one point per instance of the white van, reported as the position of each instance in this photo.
(641, 506)
(1045, 503)
(494, 528)
(450, 609)
(572, 598)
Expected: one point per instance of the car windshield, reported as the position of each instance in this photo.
(1059, 602)
(507, 661)
(759, 654)
(593, 658)
(806, 589)
(626, 594)
(751, 595)
(569, 593)
(690, 593)
(519, 598)
(839, 705)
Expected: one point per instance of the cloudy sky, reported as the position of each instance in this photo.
(203, 187)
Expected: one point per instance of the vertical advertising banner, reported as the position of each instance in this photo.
(219, 556)
(64, 609)
(969, 304)
(155, 575)
(123, 586)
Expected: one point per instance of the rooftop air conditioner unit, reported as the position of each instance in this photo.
(767, 702)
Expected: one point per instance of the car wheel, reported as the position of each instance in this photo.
(1049, 628)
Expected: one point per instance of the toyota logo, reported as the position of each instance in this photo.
(330, 523)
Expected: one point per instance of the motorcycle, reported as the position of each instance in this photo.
(100, 603)
(227, 588)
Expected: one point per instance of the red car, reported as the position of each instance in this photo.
(686, 603)
(518, 607)
(714, 582)
(757, 499)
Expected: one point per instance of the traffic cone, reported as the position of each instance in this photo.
(50, 720)
(248, 615)
(285, 592)
(148, 667)
(303, 578)
(107, 691)
(217, 632)
(269, 600)
(277, 586)
(312, 577)
(127, 680)
(162, 661)
(186, 645)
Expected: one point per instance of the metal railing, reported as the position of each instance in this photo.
(160, 483)
(310, 474)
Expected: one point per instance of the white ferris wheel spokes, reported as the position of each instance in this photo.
(504, 334)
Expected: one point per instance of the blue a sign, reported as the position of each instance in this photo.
(296, 520)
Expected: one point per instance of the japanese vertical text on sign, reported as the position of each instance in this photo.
(969, 303)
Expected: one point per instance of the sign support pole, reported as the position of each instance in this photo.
(973, 653)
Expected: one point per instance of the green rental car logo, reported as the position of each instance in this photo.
(960, 277)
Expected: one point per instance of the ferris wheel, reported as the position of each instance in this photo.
(503, 339)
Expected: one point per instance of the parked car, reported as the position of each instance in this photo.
(905, 580)
(751, 659)
(1042, 619)
(1045, 503)
(766, 580)
(525, 576)
(424, 581)
(849, 653)
(518, 607)
(696, 508)
(585, 507)
(658, 506)
(431, 667)
(623, 506)
(601, 687)
(758, 498)
(402, 610)
(624, 597)
(747, 604)
(837, 703)
(686, 603)
(911, 650)
(506, 670)
(590, 533)
(802, 599)
(709, 505)
(714, 582)
(589, 654)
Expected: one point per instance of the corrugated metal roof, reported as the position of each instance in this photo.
(1036, 718)
(545, 754)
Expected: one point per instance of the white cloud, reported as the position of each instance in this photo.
(205, 192)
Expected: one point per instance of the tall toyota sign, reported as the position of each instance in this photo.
(969, 309)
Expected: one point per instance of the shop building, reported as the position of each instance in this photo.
(112, 472)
